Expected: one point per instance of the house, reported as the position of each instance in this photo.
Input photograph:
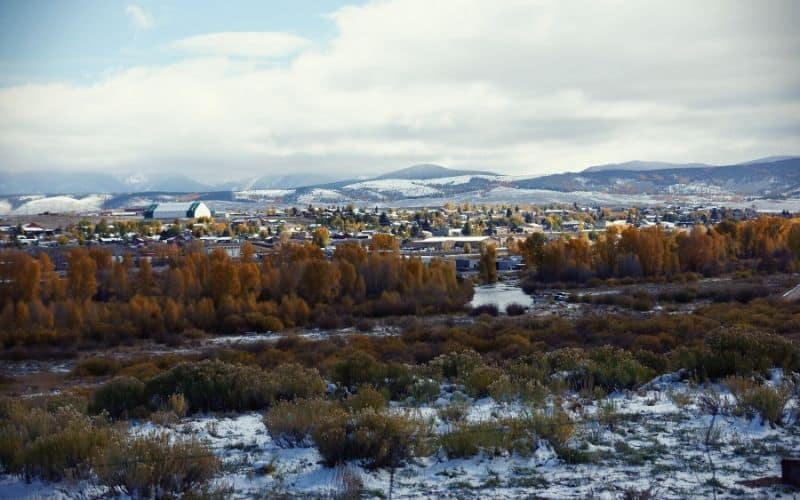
(176, 210)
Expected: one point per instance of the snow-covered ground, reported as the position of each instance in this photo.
(62, 204)
(321, 196)
(406, 187)
(262, 194)
(653, 440)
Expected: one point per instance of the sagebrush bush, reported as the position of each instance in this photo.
(515, 309)
(738, 352)
(424, 390)
(467, 439)
(379, 439)
(214, 386)
(455, 365)
(495, 437)
(752, 399)
(357, 369)
(292, 381)
(50, 444)
(290, 423)
(610, 368)
(155, 465)
(478, 380)
(121, 397)
(96, 367)
(366, 397)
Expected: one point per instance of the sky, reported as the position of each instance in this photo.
(228, 90)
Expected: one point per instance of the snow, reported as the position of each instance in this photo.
(407, 188)
(60, 204)
(319, 195)
(500, 294)
(653, 445)
(5, 207)
(259, 194)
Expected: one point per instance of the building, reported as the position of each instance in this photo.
(174, 210)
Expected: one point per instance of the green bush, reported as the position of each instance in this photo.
(157, 466)
(290, 423)
(357, 369)
(366, 397)
(738, 352)
(754, 399)
(96, 367)
(510, 435)
(478, 380)
(424, 390)
(379, 439)
(292, 381)
(213, 385)
(52, 445)
(121, 397)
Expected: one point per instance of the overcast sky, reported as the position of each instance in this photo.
(227, 90)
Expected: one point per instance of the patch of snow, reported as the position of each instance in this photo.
(407, 188)
(62, 204)
(319, 195)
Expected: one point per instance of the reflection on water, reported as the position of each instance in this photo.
(501, 294)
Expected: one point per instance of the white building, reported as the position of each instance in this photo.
(177, 210)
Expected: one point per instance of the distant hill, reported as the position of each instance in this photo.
(429, 171)
(640, 166)
(770, 179)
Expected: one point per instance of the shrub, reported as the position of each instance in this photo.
(424, 390)
(290, 424)
(737, 352)
(511, 435)
(490, 309)
(515, 309)
(121, 397)
(554, 426)
(379, 439)
(454, 412)
(477, 382)
(213, 386)
(455, 365)
(467, 439)
(366, 397)
(357, 369)
(96, 367)
(292, 381)
(52, 445)
(753, 399)
(155, 466)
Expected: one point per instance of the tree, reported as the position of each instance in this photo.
(487, 266)
(322, 237)
(383, 220)
(81, 280)
(384, 242)
(532, 250)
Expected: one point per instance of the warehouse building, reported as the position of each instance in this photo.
(171, 211)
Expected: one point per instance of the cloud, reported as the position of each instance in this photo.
(140, 18)
(243, 44)
(523, 87)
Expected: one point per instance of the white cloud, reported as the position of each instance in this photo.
(140, 18)
(243, 44)
(521, 87)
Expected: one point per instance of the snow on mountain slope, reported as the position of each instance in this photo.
(262, 194)
(405, 187)
(60, 204)
(319, 195)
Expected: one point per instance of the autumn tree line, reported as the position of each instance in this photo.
(110, 300)
(766, 244)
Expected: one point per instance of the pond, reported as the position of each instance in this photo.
(501, 294)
